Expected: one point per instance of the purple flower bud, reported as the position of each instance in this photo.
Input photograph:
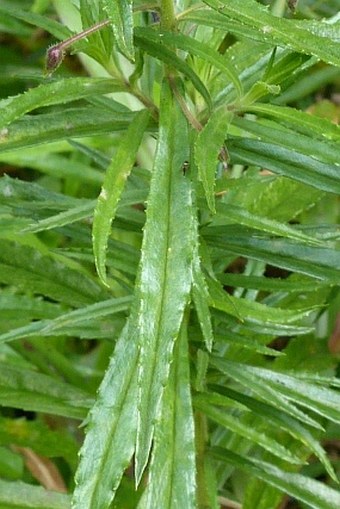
(54, 57)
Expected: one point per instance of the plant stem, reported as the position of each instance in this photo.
(203, 499)
(71, 40)
(168, 18)
(56, 53)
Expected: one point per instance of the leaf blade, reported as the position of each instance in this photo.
(207, 149)
(279, 31)
(165, 267)
(112, 423)
(120, 12)
(172, 476)
(313, 493)
(113, 185)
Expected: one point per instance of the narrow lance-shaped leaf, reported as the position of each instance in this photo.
(165, 269)
(203, 51)
(322, 263)
(32, 391)
(120, 13)
(172, 476)
(263, 391)
(285, 161)
(251, 311)
(63, 218)
(147, 41)
(207, 149)
(301, 120)
(276, 418)
(235, 424)
(279, 31)
(14, 495)
(61, 91)
(50, 25)
(314, 493)
(322, 150)
(113, 185)
(58, 279)
(234, 213)
(66, 323)
(321, 400)
(74, 122)
(200, 295)
(111, 429)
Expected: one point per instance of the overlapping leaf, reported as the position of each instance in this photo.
(113, 185)
(110, 439)
(313, 493)
(165, 269)
(121, 14)
(172, 477)
(24, 495)
(279, 31)
(32, 391)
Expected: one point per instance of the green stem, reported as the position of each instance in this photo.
(278, 8)
(168, 18)
(203, 499)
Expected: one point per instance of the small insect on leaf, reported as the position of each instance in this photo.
(185, 167)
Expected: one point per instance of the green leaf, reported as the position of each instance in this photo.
(120, 12)
(266, 195)
(200, 295)
(208, 146)
(172, 474)
(56, 165)
(286, 162)
(44, 128)
(263, 391)
(59, 30)
(318, 262)
(66, 323)
(285, 422)
(244, 342)
(149, 42)
(111, 429)
(234, 423)
(300, 120)
(204, 51)
(165, 269)
(38, 273)
(113, 185)
(235, 214)
(280, 31)
(251, 311)
(100, 44)
(31, 307)
(19, 495)
(63, 218)
(321, 400)
(61, 91)
(207, 17)
(322, 150)
(272, 284)
(313, 493)
(29, 390)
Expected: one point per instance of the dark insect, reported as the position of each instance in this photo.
(185, 167)
(292, 4)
